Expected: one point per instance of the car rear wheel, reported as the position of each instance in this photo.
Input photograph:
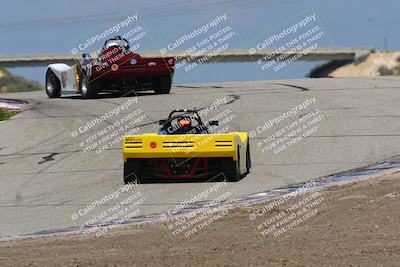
(231, 169)
(248, 158)
(53, 86)
(131, 171)
(163, 85)
(87, 89)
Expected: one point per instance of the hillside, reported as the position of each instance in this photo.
(376, 64)
(12, 83)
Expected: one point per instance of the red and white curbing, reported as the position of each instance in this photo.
(12, 104)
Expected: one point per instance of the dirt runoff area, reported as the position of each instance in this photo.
(356, 224)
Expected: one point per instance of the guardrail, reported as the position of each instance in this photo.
(225, 56)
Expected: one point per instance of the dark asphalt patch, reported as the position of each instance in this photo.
(48, 158)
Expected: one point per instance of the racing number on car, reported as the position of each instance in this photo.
(132, 139)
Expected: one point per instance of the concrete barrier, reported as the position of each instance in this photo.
(225, 56)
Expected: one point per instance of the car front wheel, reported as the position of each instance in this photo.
(53, 86)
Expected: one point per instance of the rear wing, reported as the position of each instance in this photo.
(181, 146)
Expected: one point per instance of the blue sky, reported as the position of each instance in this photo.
(45, 26)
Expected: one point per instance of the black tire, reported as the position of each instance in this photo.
(231, 169)
(163, 85)
(53, 86)
(131, 171)
(248, 158)
(87, 89)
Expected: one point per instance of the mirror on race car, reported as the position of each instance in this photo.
(213, 123)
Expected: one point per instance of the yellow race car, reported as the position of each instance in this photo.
(186, 148)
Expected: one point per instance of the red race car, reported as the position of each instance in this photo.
(116, 69)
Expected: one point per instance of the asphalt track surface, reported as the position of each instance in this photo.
(45, 176)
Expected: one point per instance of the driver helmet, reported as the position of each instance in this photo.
(111, 44)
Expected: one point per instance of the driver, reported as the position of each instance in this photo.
(183, 125)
